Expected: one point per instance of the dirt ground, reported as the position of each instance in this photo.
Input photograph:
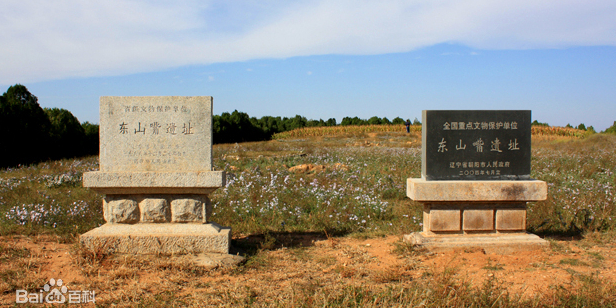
(342, 260)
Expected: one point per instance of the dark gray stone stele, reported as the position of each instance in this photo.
(436, 165)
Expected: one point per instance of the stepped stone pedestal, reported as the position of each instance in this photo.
(486, 214)
(156, 175)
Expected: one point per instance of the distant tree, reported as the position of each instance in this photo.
(353, 121)
(397, 120)
(331, 122)
(374, 120)
(313, 123)
(611, 129)
(581, 126)
(346, 121)
(91, 138)
(539, 123)
(236, 127)
(416, 122)
(24, 126)
(569, 126)
(385, 120)
(356, 121)
(66, 134)
(296, 122)
(270, 125)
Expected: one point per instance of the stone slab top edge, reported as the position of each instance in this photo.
(157, 96)
(153, 229)
(204, 179)
(476, 191)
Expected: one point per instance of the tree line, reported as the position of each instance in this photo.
(29, 133)
(32, 134)
(240, 127)
(580, 127)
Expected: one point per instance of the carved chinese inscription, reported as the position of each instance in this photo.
(476, 144)
(157, 134)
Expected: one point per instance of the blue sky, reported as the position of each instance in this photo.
(320, 59)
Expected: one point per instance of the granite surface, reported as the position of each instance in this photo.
(155, 133)
(168, 238)
(158, 208)
(489, 243)
(482, 191)
(161, 182)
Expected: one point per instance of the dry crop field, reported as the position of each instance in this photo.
(321, 131)
(320, 220)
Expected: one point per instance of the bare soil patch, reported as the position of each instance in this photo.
(313, 261)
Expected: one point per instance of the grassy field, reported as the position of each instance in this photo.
(303, 210)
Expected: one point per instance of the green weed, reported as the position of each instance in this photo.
(597, 256)
(573, 262)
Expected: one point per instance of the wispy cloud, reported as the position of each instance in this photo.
(44, 40)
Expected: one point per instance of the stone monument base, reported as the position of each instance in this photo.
(501, 243)
(481, 214)
(152, 238)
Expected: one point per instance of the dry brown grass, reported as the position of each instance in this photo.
(326, 272)
(539, 130)
(305, 268)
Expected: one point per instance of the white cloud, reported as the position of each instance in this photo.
(309, 73)
(44, 40)
(210, 78)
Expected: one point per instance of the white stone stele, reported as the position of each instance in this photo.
(156, 175)
(487, 214)
(156, 133)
